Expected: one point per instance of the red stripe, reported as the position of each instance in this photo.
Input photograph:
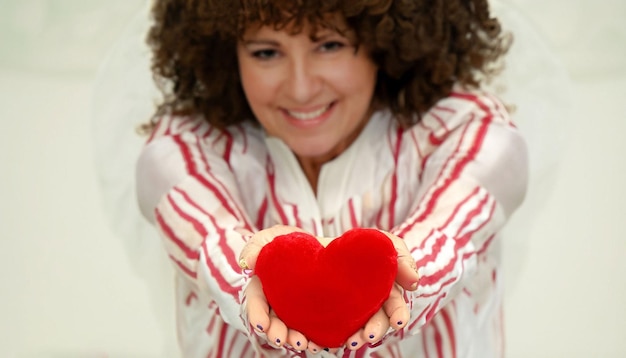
(271, 177)
(435, 248)
(416, 321)
(456, 172)
(462, 241)
(442, 286)
(438, 341)
(184, 268)
(228, 147)
(425, 344)
(394, 180)
(245, 349)
(470, 217)
(200, 229)
(441, 122)
(486, 245)
(445, 315)
(353, 222)
(233, 340)
(229, 254)
(211, 325)
(456, 210)
(190, 297)
(169, 233)
(471, 98)
(156, 129)
(208, 133)
(444, 108)
(261, 214)
(182, 122)
(217, 275)
(433, 310)
(430, 205)
(223, 244)
(193, 171)
(220, 344)
(314, 226)
(296, 215)
(224, 191)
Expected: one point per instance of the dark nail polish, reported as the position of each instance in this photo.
(372, 336)
(259, 327)
(399, 323)
(353, 344)
(327, 350)
(298, 343)
(278, 340)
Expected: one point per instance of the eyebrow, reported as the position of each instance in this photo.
(261, 42)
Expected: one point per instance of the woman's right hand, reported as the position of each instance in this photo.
(260, 315)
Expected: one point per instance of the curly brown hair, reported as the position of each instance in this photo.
(422, 49)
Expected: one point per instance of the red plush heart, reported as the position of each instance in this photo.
(327, 293)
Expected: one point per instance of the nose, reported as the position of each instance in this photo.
(304, 81)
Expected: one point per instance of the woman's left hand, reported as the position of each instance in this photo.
(395, 312)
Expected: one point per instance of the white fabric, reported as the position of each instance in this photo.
(434, 193)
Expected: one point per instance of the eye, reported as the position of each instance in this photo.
(265, 54)
(330, 46)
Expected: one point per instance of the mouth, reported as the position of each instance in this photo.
(309, 115)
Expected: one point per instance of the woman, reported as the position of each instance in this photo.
(322, 116)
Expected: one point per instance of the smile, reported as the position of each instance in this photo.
(306, 116)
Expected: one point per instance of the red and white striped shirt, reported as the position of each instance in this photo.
(446, 186)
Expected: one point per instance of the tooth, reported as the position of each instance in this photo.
(308, 115)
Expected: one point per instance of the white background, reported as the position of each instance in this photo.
(66, 285)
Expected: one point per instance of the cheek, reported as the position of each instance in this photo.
(356, 78)
(256, 84)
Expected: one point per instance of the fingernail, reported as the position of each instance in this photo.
(298, 343)
(278, 340)
(413, 286)
(327, 350)
(247, 272)
(259, 327)
(399, 323)
(353, 344)
(372, 336)
(314, 349)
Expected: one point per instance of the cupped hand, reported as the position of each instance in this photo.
(260, 315)
(395, 312)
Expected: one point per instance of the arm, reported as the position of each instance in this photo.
(186, 189)
(474, 177)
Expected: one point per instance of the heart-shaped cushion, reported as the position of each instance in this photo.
(327, 293)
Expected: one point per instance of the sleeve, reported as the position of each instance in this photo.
(186, 189)
(474, 176)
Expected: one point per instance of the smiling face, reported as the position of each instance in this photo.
(314, 93)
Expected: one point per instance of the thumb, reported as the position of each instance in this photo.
(407, 276)
(250, 252)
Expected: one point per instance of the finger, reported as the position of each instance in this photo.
(277, 332)
(396, 309)
(314, 348)
(376, 327)
(407, 275)
(357, 340)
(250, 252)
(257, 307)
(297, 340)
